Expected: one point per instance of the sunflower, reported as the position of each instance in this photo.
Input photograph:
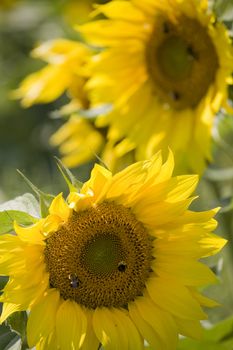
(166, 69)
(115, 264)
(64, 71)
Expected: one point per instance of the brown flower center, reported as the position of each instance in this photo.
(100, 257)
(181, 61)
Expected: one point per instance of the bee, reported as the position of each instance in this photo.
(74, 282)
(175, 95)
(166, 28)
(122, 266)
(192, 54)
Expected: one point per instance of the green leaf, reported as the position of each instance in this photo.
(222, 134)
(219, 174)
(220, 331)
(26, 203)
(45, 199)
(188, 344)
(219, 337)
(18, 323)
(224, 10)
(8, 217)
(226, 207)
(70, 179)
(3, 281)
(9, 340)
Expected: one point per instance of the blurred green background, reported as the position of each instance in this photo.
(24, 133)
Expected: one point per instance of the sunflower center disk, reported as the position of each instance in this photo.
(100, 257)
(181, 60)
(174, 59)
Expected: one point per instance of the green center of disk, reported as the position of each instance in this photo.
(174, 58)
(102, 254)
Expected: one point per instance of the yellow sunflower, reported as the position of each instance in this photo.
(114, 265)
(64, 71)
(166, 68)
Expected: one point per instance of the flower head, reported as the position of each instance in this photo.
(64, 71)
(115, 265)
(166, 69)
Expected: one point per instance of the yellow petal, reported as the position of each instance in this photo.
(148, 333)
(99, 183)
(78, 141)
(161, 213)
(90, 341)
(109, 329)
(71, 326)
(105, 32)
(48, 343)
(185, 186)
(203, 300)
(204, 218)
(160, 321)
(51, 224)
(31, 234)
(43, 86)
(80, 201)
(174, 298)
(135, 342)
(60, 208)
(167, 169)
(188, 328)
(121, 10)
(193, 243)
(41, 320)
(8, 309)
(188, 272)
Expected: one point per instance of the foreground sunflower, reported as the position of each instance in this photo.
(117, 265)
(166, 68)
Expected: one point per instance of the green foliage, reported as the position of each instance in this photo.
(26, 203)
(220, 172)
(224, 10)
(22, 209)
(70, 179)
(18, 323)
(45, 199)
(8, 217)
(9, 340)
(220, 337)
